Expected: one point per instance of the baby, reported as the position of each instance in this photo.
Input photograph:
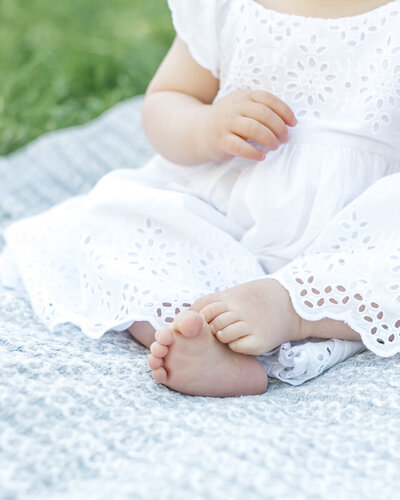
(255, 317)
(262, 217)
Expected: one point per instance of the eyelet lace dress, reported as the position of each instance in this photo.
(320, 214)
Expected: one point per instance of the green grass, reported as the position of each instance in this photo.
(63, 63)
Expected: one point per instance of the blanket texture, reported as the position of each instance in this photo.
(81, 418)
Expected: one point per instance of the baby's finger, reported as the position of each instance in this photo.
(276, 104)
(238, 146)
(266, 116)
(252, 129)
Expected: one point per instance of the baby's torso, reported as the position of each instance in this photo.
(336, 74)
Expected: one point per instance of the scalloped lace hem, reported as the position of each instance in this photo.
(348, 316)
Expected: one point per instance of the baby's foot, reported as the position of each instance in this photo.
(252, 318)
(188, 359)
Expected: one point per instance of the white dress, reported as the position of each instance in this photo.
(320, 214)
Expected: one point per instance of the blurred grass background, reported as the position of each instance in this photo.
(63, 63)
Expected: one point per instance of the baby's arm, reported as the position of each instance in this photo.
(176, 102)
(183, 125)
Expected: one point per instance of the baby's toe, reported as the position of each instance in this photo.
(233, 332)
(158, 350)
(164, 336)
(160, 375)
(222, 321)
(211, 311)
(201, 302)
(247, 344)
(154, 362)
(188, 323)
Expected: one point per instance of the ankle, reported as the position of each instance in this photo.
(298, 327)
(306, 329)
(301, 329)
(327, 328)
(143, 332)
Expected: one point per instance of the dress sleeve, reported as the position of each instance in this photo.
(197, 23)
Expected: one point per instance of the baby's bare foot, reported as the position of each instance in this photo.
(252, 318)
(188, 359)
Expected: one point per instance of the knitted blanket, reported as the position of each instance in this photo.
(83, 419)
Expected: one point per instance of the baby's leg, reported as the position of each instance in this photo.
(143, 332)
(329, 329)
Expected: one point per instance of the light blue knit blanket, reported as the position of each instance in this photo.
(82, 419)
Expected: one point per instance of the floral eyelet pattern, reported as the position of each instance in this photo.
(343, 71)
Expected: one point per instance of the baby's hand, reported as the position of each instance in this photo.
(247, 114)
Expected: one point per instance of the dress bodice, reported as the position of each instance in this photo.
(338, 74)
(335, 73)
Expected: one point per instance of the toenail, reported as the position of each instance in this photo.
(219, 333)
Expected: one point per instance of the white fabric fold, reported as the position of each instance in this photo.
(297, 362)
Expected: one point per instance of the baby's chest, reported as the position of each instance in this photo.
(321, 9)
